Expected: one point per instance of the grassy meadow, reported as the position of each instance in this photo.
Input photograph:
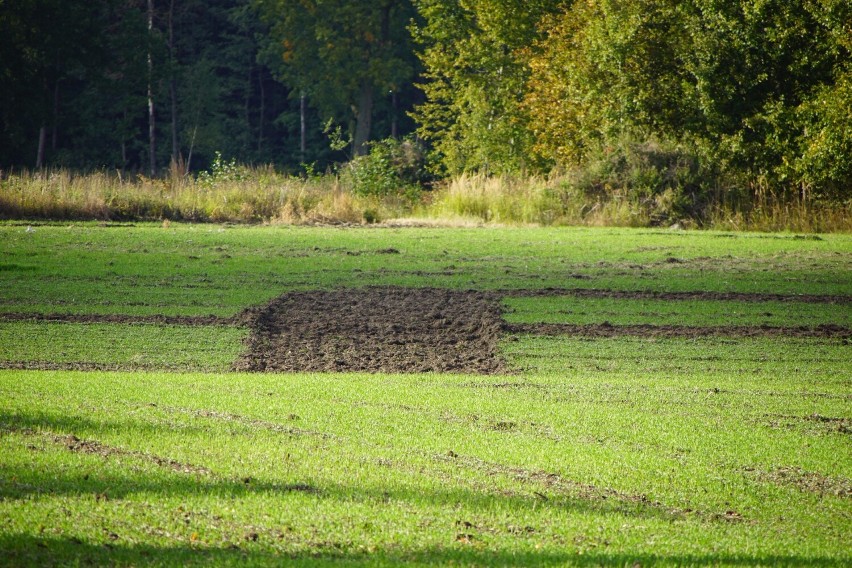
(132, 443)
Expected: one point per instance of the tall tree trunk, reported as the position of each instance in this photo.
(42, 138)
(247, 105)
(303, 130)
(395, 115)
(152, 137)
(124, 143)
(54, 138)
(364, 119)
(262, 110)
(172, 85)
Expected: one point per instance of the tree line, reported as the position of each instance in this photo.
(757, 94)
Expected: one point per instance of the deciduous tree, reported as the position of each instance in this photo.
(343, 54)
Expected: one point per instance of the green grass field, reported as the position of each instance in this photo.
(614, 451)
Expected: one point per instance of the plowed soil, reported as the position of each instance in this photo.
(377, 330)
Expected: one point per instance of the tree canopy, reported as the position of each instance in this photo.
(756, 90)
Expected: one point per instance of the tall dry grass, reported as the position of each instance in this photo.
(557, 200)
(768, 211)
(532, 199)
(263, 195)
(250, 195)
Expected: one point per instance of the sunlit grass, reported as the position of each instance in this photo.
(607, 451)
(220, 270)
(242, 194)
(629, 311)
(388, 469)
(211, 348)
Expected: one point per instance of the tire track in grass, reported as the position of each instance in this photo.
(125, 319)
(78, 445)
(651, 330)
(563, 486)
(804, 481)
(393, 329)
(684, 295)
(75, 444)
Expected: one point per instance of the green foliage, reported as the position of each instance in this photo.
(390, 168)
(222, 172)
(824, 165)
(475, 74)
(344, 55)
(756, 88)
(665, 181)
(80, 71)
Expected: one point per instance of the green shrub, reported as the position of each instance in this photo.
(221, 172)
(391, 168)
(664, 182)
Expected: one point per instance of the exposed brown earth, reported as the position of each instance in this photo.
(378, 330)
(124, 319)
(75, 444)
(807, 481)
(650, 330)
(692, 295)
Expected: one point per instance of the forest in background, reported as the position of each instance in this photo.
(671, 106)
(79, 76)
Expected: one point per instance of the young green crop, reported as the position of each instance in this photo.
(145, 346)
(213, 270)
(607, 451)
(573, 469)
(632, 311)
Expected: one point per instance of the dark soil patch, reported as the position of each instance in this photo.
(125, 319)
(377, 330)
(694, 295)
(649, 330)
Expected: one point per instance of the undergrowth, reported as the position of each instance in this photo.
(635, 190)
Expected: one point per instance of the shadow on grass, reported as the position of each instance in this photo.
(90, 471)
(122, 478)
(26, 550)
(89, 481)
(65, 424)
